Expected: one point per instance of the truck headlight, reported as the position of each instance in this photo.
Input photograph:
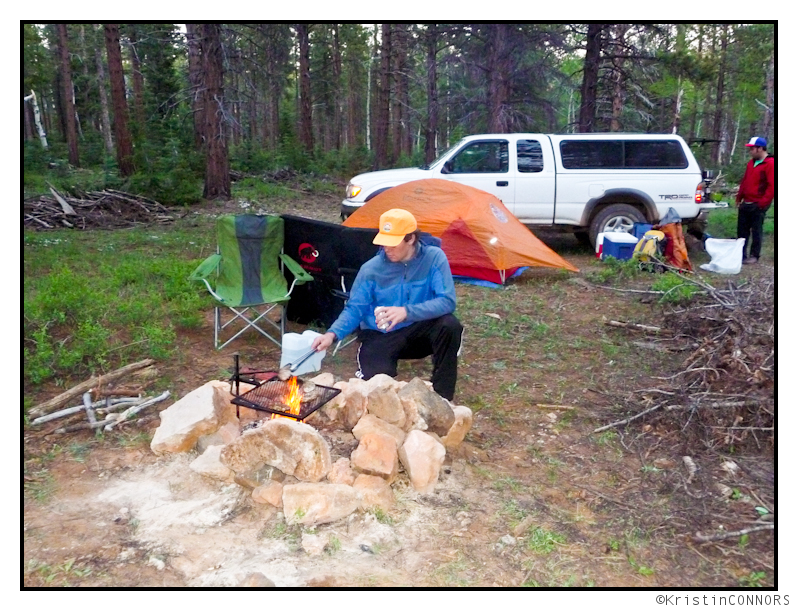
(352, 190)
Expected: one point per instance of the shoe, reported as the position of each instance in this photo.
(749, 260)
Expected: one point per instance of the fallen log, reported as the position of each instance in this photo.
(115, 404)
(633, 325)
(131, 411)
(699, 538)
(111, 420)
(55, 403)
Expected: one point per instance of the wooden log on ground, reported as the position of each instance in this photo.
(57, 402)
(633, 325)
(115, 404)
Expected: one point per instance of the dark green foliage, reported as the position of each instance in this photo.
(93, 305)
(505, 77)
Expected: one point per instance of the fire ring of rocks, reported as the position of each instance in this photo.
(345, 457)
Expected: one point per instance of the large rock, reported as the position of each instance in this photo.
(381, 380)
(376, 455)
(422, 457)
(223, 398)
(294, 448)
(384, 403)
(463, 418)
(341, 472)
(256, 580)
(354, 405)
(310, 504)
(323, 379)
(314, 544)
(374, 492)
(432, 408)
(226, 434)
(271, 492)
(189, 418)
(372, 424)
(209, 465)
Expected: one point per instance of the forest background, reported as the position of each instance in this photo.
(172, 111)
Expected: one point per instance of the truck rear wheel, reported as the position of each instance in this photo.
(615, 217)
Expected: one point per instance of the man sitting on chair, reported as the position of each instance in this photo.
(402, 301)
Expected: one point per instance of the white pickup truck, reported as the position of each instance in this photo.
(584, 183)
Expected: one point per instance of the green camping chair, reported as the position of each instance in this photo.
(248, 265)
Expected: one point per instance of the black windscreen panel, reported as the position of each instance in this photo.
(591, 154)
(654, 154)
(622, 154)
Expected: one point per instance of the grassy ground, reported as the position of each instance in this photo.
(97, 300)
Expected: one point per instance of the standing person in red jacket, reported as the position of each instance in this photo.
(754, 198)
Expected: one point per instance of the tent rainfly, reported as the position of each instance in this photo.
(480, 236)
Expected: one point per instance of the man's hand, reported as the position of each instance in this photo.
(322, 342)
(391, 316)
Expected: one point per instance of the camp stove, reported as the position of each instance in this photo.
(292, 398)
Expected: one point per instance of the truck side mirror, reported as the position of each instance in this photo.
(447, 167)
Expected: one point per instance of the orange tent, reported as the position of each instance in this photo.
(480, 236)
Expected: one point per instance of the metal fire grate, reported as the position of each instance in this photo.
(270, 391)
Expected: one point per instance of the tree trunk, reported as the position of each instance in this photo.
(105, 115)
(401, 105)
(37, 119)
(27, 117)
(138, 80)
(618, 78)
(717, 123)
(767, 120)
(338, 111)
(498, 63)
(195, 81)
(217, 164)
(305, 103)
(68, 92)
(431, 128)
(699, 53)
(383, 100)
(124, 144)
(369, 89)
(587, 107)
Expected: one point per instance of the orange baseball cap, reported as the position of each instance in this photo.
(394, 226)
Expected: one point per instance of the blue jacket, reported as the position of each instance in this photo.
(423, 285)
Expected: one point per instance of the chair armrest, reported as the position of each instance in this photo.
(206, 268)
(300, 275)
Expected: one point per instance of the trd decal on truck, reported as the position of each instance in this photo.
(676, 197)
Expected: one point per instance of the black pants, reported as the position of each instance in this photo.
(379, 352)
(750, 219)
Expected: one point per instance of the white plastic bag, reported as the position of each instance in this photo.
(727, 255)
(295, 346)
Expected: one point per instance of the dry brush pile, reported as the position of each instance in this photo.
(726, 385)
(714, 417)
(107, 209)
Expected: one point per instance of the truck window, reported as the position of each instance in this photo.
(622, 154)
(654, 154)
(482, 157)
(530, 156)
(591, 154)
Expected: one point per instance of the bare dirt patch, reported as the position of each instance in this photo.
(532, 498)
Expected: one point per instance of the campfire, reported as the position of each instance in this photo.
(293, 398)
(323, 464)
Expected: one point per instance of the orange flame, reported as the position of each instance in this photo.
(293, 399)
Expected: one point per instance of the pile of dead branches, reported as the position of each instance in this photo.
(107, 209)
(722, 398)
(727, 380)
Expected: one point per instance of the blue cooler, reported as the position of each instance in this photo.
(639, 229)
(618, 245)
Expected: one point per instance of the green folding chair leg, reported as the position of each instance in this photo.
(249, 323)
